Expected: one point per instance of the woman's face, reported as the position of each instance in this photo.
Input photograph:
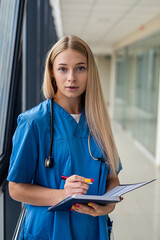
(70, 72)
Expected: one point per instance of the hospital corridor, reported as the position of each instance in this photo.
(124, 37)
(137, 217)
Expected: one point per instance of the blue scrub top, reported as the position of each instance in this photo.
(31, 143)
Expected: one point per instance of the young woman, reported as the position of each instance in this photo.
(83, 147)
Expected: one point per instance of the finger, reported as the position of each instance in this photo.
(84, 209)
(94, 205)
(97, 206)
(76, 186)
(76, 178)
(102, 209)
(78, 191)
(84, 186)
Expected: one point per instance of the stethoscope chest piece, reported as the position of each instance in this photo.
(49, 162)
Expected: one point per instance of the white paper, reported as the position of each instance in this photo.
(122, 189)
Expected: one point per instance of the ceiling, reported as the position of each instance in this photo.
(102, 23)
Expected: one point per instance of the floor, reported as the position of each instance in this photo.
(137, 217)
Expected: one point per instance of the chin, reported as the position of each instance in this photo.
(72, 95)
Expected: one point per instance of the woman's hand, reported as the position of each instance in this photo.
(94, 209)
(75, 185)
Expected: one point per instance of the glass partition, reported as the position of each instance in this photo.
(136, 94)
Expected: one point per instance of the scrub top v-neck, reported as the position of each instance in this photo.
(71, 156)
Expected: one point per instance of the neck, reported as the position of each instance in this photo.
(71, 105)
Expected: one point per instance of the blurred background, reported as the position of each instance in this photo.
(124, 36)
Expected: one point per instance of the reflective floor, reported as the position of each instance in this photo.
(137, 217)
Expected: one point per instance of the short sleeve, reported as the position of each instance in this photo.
(24, 155)
(120, 166)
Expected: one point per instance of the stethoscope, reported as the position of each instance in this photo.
(49, 162)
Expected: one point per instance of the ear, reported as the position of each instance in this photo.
(52, 73)
(54, 84)
(53, 80)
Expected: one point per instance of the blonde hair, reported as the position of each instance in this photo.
(95, 107)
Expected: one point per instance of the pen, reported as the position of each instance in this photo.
(87, 180)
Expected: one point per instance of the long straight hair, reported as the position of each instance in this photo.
(95, 107)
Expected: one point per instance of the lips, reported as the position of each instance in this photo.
(72, 87)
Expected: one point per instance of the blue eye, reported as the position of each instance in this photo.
(80, 68)
(63, 69)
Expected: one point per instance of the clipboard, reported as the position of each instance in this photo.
(112, 196)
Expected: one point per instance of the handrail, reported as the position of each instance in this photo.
(19, 223)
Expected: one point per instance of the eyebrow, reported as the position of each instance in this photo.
(80, 63)
(64, 64)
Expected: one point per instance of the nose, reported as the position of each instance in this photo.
(71, 76)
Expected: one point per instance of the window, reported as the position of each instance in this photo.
(8, 24)
(136, 93)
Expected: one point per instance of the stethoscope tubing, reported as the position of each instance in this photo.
(49, 162)
(52, 130)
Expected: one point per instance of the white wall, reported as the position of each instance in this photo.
(104, 65)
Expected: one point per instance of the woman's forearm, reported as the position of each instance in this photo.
(35, 194)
